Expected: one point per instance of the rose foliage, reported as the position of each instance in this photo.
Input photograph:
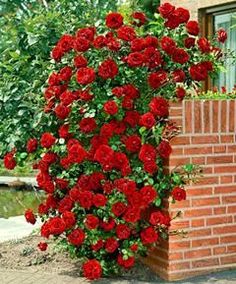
(102, 165)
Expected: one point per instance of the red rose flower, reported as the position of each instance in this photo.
(113, 44)
(108, 225)
(65, 73)
(99, 200)
(159, 107)
(147, 153)
(108, 69)
(158, 218)
(9, 160)
(157, 79)
(168, 45)
(118, 208)
(148, 120)
(193, 28)
(180, 93)
(111, 245)
(123, 231)
(134, 247)
(110, 107)
(87, 124)
(100, 42)
(164, 149)
(166, 10)
(105, 156)
(85, 199)
(65, 43)
(81, 44)
(69, 218)
(56, 226)
(127, 103)
(135, 59)
(204, 45)
(140, 19)
(182, 14)
(180, 56)
(64, 131)
(62, 111)
(132, 118)
(178, 193)
(150, 167)
(132, 214)
(87, 33)
(152, 57)
(114, 20)
(30, 217)
(222, 35)
(76, 237)
(65, 204)
(92, 269)
(178, 76)
(32, 145)
(148, 236)
(85, 75)
(137, 44)
(43, 246)
(198, 72)
(126, 263)
(126, 33)
(133, 143)
(91, 222)
(98, 245)
(151, 41)
(148, 194)
(80, 61)
(189, 42)
(47, 140)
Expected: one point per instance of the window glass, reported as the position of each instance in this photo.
(227, 21)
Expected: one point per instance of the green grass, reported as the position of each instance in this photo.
(25, 171)
(210, 95)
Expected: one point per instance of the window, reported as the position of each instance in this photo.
(216, 18)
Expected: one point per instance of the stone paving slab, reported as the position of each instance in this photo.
(6, 180)
(22, 277)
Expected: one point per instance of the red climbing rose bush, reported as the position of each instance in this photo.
(101, 163)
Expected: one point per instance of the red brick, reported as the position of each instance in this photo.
(179, 266)
(207, 120)
(208, 180)
(200, 233)
(205, 242)
(197, 117)
(219, 149)
(178, 161)
(205, 262)
(231, 249)
(188, 116)
(227, 139)
(225, 230)
(175, 225)
(231, 209)
(180, 204)
(198, 253)
(231, 148)
(228, 259)
(228, 239)
(179, 245)
(180, 140)
(224, 189)
(229, 199)
(232, 114)
(175, 255)
(215, 115)
(219, 250)
(220, 159)
(225, 169)
(198, 223)
(226, 179)
(198, 150)
(177, 151)
(199, 191)
(175, 112)
(219, 210)
(198, 212)
(199, 160)
(205, 201)
(223, 115)
(207, 139)
(219, 220)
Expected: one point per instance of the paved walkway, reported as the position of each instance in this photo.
(15, 228)
(8, 180)
(21, 277)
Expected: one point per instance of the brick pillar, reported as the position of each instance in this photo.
(209, 213)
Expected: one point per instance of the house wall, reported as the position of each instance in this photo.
(209, 212)
(194, 5)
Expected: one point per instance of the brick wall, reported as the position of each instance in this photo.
(209, 213)
(194, 5)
